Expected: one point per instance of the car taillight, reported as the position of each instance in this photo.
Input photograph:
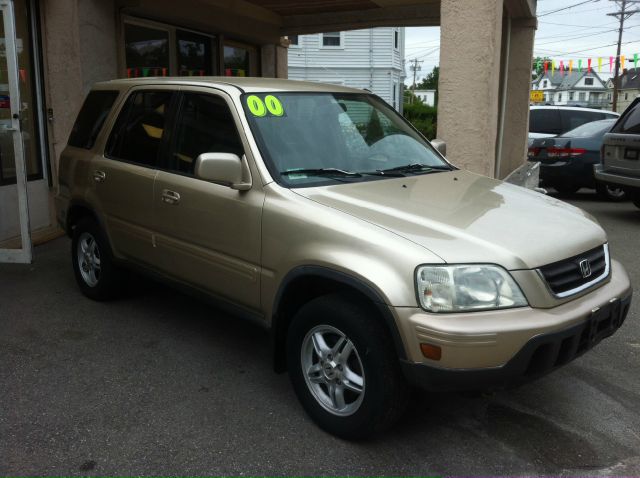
(533, 152)
(565, 152)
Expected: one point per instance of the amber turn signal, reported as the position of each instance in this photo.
(432, 352)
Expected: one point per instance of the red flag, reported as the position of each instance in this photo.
(589, 65)
(546, 67)
(610, 63)
(562, 67)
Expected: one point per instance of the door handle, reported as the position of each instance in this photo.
(170, 197)
(99, 176)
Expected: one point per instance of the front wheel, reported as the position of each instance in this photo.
(344, 368)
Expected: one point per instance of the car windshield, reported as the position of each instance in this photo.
(591, 130)
(308, 139)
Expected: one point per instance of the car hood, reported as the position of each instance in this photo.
(466, 218)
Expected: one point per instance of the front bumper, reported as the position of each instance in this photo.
(497, 349)
(613, 178)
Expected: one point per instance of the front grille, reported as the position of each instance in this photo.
(566, 277)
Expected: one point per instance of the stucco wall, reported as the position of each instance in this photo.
(62, 70)
(470, 46)
(98, 45)
(516, 124)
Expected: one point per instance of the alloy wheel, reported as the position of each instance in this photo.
(333, 370)
(88, 257)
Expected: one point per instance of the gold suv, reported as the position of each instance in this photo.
(319, 212)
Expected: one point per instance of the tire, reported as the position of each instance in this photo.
(636, 203)
(611, 193)
(566, 189)
(96, 274)
(364, 360)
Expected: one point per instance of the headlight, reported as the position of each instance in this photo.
(467, 288)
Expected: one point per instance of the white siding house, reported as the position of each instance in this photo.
(428, 97)
(577, 88)
(371, 59)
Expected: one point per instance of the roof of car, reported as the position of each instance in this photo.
(572, 108)
(246, 84)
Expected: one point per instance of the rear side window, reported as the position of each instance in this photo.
(630, 121)
(91, 118)
(141, 128)
(545, 121)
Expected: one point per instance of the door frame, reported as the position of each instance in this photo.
(25, 253)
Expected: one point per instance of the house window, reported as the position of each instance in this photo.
(571, 96)
(626, 96)
(293, 40)
(544, 84)
(395, 95)
(582, 96)
(588, 81)
(559, 96)
(396, 39)
(609, 96)
(331, 39)
(239, 60)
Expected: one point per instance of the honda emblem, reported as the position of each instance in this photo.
(585, 268)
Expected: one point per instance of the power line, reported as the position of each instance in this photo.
(622, 15)
(544, 14)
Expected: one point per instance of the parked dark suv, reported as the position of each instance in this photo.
(621, 154)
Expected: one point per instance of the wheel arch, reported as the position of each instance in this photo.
(305, 283)
(77, 210)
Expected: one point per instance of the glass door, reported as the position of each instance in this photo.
(14, 208)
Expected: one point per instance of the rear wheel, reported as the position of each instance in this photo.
(610, 192)
(96, 274)
(344, 368)
(566, 189)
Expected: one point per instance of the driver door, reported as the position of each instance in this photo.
(208, 234)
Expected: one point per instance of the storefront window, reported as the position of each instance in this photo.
(147, 51)
(237, 61)
(194, 54)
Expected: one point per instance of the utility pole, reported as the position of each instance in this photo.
(622, 15)
(415, 67)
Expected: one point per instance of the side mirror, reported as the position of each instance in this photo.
(224, 168)
(440, 146)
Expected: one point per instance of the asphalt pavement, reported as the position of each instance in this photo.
(158, 383)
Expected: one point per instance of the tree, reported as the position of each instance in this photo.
(538, 66)
(430, 82)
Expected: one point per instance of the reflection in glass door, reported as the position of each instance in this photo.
(15, 245)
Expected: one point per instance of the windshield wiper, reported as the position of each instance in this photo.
(322, 172)
(416, 168)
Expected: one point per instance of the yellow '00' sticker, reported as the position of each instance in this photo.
(271, 104)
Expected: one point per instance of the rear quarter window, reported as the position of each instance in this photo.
(91, 118)
(630, 121)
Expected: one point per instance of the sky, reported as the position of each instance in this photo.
(584, 31)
